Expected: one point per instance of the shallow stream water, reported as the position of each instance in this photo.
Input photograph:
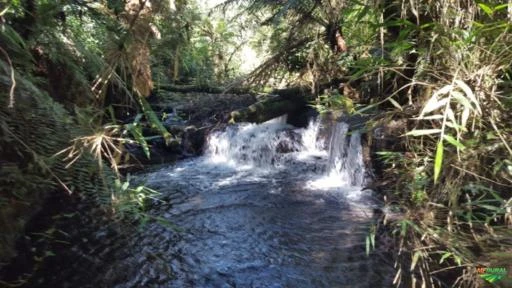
(268, 205)
(271, 205)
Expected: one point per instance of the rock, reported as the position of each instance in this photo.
(290, 143)
(193, 140)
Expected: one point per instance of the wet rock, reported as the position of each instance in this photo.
(290, 142)
(193, 140)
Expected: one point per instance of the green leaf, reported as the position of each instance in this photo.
(117, 183)
(137, 118)
(491, 136)
(136, 132)
(445, 255)
(501, 7)
(488, 10)
(478, 24)
(451, 117)
(153, 119)
(423, 132)
(362, 13)
(454, 142)
(443, 90)
(13, 37)
(427, 25)
(112, 115)
(403, 227)
(491, 208)
(458, 260)
(439, 160)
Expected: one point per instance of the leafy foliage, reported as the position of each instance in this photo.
(443, 70)
(443, 74)
(303, 32)
(60, 63)
(69, 72)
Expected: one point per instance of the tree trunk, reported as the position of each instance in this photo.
(283, 101)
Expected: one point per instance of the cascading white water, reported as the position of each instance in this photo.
(309, 137)
(354, 163)
(251, 145)
(337, 147)
(269, 144)
(345, 155)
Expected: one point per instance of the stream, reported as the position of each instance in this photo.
(267, 205)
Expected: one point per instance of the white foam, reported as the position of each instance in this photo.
(250, 149)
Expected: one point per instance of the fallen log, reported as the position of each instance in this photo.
(279, 102)
(201, 89)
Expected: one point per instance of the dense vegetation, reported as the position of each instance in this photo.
(433, 76)
(71, 73)
(437, 74)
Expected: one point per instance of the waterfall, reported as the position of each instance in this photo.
(309, 137)
(272, 144)
(252, 145)
(337, 148)
(346, 155)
